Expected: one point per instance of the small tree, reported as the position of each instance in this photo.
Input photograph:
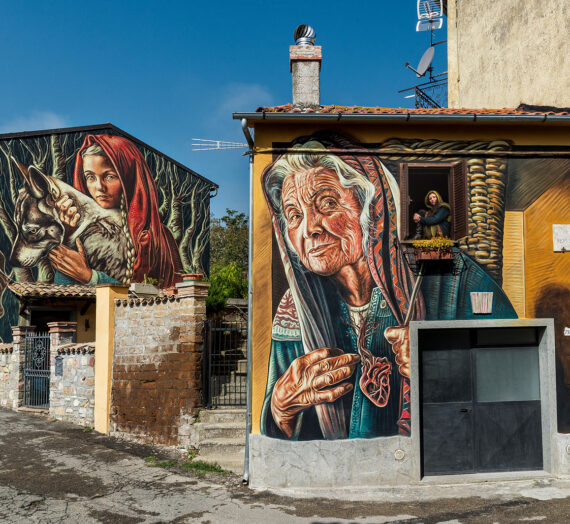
(226, 282)
(229, 241)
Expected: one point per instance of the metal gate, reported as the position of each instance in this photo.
(224, 364)
(36, 370)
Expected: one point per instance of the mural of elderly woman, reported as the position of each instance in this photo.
(114, 172)
(339, 360)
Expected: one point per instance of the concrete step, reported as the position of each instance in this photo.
(230, 462)
(211, 431)
(223, 415)
(221, 446)
(242, 367)
(235, 387)
(229, 401)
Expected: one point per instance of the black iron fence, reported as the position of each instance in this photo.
(224, 364)
(36, 370)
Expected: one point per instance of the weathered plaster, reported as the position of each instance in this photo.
(508, 52)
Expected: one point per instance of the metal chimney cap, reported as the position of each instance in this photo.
(305, 35)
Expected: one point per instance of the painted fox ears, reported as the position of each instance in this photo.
(37, 183)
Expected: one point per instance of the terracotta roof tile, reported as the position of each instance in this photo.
(41, 290)
(522, 109)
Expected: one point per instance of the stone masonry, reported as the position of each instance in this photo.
(157, 366)
(9, 375)
(12, 359)
(72, 396)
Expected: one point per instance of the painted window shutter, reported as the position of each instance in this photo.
(458, 200)
(404, 202)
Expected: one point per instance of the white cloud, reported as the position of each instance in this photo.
(233, 98)
(239, 97)
(35, 121)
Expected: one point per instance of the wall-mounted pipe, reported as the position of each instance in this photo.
(250, 142)
(247, 133)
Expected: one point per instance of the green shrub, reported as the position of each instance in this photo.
(225, 282)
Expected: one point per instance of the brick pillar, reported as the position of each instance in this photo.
(192, 296)
(16, 386)
(62, 333)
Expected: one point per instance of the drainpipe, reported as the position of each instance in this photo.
(250, 142)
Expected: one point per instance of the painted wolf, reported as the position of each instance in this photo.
(39, 228)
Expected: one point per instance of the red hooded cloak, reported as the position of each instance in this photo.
(156, 252)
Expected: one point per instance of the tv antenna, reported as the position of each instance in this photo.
(203, 144)
(430, 18)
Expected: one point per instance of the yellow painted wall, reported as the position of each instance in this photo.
(86, 331)
(513, 260)
(267, 133)
(547, 274)
(104, 343)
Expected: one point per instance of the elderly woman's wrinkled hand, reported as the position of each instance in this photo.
(399, 337)
(312, 379)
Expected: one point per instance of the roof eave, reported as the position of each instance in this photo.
(399, 118)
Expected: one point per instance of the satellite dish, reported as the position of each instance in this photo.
(425, 61)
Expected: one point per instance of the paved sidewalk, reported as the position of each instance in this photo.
(55, 472)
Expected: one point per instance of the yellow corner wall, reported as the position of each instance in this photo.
(104, 343)
(547, 274)
(513, 260)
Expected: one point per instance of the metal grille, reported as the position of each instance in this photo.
(225, 364)
(36, 370)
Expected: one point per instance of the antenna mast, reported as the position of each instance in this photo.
(432, 92)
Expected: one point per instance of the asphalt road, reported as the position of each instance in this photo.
(55, 472)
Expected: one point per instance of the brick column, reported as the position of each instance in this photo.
(18, 359)
(62, 333)
(192, 296)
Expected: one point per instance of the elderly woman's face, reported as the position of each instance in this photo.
(323, 220)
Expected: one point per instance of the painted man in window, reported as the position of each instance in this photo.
(435, 221)
(339, 362)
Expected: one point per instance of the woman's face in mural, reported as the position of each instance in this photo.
(103, 182)
(323, 220)
(432, 198)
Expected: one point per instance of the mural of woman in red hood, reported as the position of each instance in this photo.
(113, 171)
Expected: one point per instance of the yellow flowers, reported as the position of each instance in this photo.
(435, 243)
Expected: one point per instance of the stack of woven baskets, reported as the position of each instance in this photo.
(487, 178)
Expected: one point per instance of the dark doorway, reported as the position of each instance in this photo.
(480, 398)
(40, 316)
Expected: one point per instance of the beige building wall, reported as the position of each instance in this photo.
(502, 53)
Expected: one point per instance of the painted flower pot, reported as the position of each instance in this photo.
(434, 254)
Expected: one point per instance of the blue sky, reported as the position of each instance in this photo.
(169, 71)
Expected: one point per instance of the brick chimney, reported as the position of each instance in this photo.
(305, 59)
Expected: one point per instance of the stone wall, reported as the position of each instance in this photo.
(12, 358)
(157, 371)
(72, 397)
(9, 366)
